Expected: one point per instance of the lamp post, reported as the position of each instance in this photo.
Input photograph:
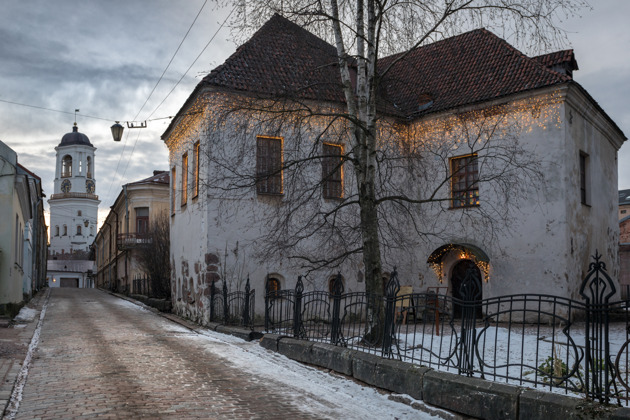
(117, 131)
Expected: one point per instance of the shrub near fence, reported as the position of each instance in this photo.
(544, 341)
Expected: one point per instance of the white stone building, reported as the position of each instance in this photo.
(532, 229)
(74, 203)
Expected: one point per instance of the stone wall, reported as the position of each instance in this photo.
(474, 397)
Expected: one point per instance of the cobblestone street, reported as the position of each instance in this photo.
(102, 356)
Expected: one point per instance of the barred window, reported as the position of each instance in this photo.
(269, 165)
(332, 175)
(464, 181)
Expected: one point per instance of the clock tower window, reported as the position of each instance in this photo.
(66, 166)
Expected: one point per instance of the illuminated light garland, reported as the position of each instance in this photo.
(462, 254)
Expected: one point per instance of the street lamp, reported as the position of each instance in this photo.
(117, 131)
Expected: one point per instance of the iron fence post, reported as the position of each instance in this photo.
(335, 328)
(297, 308)
(389, 330)
(246, 304)
(212, 295)
(267, 303)
(599, 373)
(470, 291)
(225, 303)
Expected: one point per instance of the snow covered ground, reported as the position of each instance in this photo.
(324, 394)
(314, 390)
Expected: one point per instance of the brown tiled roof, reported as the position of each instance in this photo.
(558, 57)
(283, 59)
(472, 67)
(159, 177)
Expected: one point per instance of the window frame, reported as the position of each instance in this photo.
(142, 221)
(195, 178)
(66, 166)
(467, 196)
(173, 189)
(275, 292)
(269, 167)
(584, 180)
(332, 171)
(184, 197)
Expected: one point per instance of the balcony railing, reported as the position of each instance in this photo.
(132, 240)
(73, 195)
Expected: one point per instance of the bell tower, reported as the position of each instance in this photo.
(74, 203)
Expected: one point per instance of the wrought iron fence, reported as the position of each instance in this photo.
(543, 341)
(233, 308)
(141, 286)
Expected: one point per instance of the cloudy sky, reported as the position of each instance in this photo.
(106, 57)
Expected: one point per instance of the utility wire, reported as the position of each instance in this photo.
(55, 110)
(171, 60)
(147, 100)
(193, 63)
(180, 79)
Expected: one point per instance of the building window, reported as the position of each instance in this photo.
(184, 178)
(17, 238)
(268, 165)
(331, 285)
(78, 229)
(79, 213)
(464, 181)
(273, 286)
(65, 230)
(66, 166)
(89, 167)
(57, 230)
(584, 179)
(195, 180)
(623, 212)
(173, 189)
(332, 175)
(142, 220)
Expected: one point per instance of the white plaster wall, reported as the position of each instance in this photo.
(542, 247)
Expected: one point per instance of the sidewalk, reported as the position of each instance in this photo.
(14, 341)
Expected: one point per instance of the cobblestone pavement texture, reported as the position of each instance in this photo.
(103, 357)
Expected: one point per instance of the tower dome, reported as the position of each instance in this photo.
(75, 138)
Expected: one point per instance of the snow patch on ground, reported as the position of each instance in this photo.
(25, 315)
(313, 390)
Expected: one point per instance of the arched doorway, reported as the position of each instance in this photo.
(465, 285)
